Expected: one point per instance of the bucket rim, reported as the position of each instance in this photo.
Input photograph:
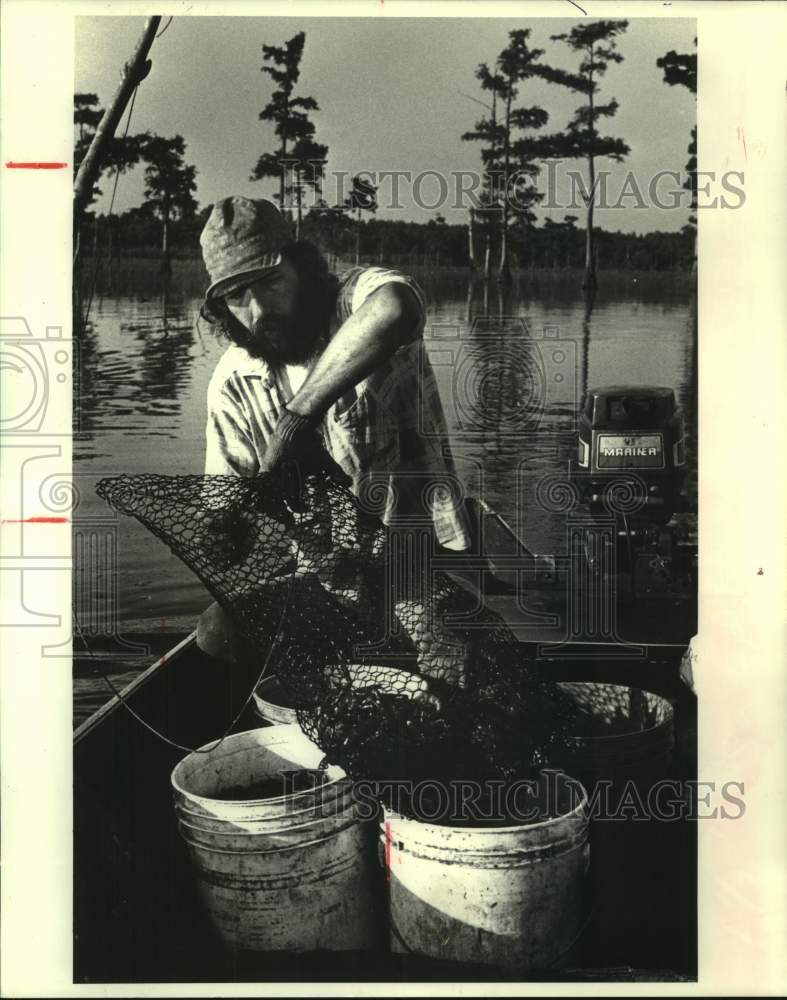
(666, 723)
(262, 705)
(280, 730)
(267, 682)
(181, 808)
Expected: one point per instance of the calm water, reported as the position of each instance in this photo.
(511, 369)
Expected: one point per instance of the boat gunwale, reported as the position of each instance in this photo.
(116, 701)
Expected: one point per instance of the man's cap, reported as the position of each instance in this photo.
(242, 239)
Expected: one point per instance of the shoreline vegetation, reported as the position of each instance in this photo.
(141, 272)
(435, 244)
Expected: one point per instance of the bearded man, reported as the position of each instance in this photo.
(315, 357)
(312, 353)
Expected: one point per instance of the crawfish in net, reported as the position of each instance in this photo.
(317, 584)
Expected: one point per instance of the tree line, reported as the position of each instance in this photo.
(434, 244)
(514, 141)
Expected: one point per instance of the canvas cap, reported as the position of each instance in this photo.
(242, 239)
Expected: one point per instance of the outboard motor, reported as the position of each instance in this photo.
(631, 438)
(629, 469)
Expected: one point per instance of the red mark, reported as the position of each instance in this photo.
(35, 520)
(43, 165)
(388, 850)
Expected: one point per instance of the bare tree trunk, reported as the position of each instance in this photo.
(470, 243)
(504, 271)
(589, 280)
(299, 196)
(282, 172)
(590, 299)
(165, 304)
(166, 267)
(590, 269)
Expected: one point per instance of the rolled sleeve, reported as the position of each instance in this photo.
(375, 277)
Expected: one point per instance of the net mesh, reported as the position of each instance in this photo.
(332, 598)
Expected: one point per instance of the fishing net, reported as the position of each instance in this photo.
(331, 598)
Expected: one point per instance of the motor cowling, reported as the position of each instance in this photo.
(631, 438)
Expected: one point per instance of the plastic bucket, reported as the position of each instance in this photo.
(270, 700)
(287, 873)
(270, 703)
(629, 734)
(512, 897)
(621, 751)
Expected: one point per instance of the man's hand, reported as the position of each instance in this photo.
(295, 448)
(293, 438)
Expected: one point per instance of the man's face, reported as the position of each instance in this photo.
(275, 310)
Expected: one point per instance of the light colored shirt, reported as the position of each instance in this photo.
(389, 437)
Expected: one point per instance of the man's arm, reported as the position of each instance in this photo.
(389, 318)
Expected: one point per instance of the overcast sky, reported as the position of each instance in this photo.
(390, 96)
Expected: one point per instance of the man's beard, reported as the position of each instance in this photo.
(285, 340)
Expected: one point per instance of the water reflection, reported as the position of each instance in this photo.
(590, 301)
(135, 363)
(687, 394)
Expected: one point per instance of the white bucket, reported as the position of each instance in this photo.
(290, 873)
(268, 698)
(510, 897)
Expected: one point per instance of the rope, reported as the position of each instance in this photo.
(169, 22)
(109, 214)
(173, 743)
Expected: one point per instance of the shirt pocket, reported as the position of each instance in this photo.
(348, 409)
(361, 439)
